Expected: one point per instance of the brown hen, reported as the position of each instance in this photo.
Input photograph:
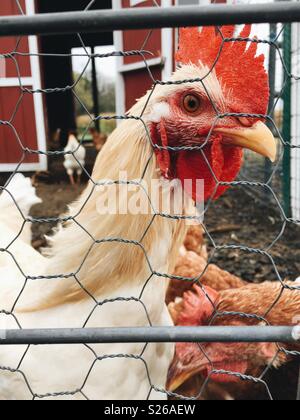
(268, 300)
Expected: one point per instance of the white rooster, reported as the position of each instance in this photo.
(118, 258)
(74, 158)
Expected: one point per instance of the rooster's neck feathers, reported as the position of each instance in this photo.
(124, 264)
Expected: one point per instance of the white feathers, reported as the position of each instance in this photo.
(112, 270)
(15, 203)
(159, 111)
(22, 191)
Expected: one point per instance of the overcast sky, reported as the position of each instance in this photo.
(105, 66)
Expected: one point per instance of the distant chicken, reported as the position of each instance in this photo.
(74, 158)
(198, 308)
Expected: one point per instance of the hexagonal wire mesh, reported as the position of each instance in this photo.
(20, 368)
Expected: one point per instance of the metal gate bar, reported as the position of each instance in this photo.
(147, 18)
(222, 334)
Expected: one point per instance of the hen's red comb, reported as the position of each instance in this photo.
(198, 306)
(240, 71)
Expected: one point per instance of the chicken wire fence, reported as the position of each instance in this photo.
(201, 335)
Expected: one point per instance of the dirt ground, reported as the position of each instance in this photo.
(240, 219)
(56, 198)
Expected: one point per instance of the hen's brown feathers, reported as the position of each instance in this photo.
(269, 300)
(194, 241)
(190, 265)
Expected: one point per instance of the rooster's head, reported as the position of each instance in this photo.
(213, 109)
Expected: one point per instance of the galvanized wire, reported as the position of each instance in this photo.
(143, 53)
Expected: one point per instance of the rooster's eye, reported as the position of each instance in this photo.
(191, 104)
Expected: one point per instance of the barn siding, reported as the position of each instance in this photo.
(132, 83)
(8, 44)
(136, 38)
(25, 127)
(137, 82)
(25, 114)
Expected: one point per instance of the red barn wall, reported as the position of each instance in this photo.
(15, 106)
(8, 44)
(138, 81)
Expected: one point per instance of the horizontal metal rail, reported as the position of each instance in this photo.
(254, 334)
(147, 18)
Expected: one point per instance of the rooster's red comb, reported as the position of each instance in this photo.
(240, 71)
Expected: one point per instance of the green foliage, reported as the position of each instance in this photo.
(107, 97)
(106, 103)
(84, 121)
(85, 93)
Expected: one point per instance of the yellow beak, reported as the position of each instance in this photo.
(257, 138)
(181, 371)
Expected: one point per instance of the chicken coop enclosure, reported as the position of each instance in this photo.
(63, 301)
